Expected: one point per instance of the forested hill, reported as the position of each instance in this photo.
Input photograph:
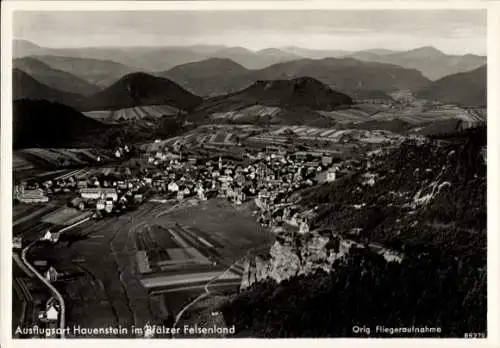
(425, 200)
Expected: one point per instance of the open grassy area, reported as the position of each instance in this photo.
(235, 230)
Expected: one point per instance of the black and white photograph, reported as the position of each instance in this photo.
(264, 173)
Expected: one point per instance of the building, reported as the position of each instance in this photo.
(52, 314)
(99, 193)
(51, 236)
(173, 187)
(108, 208)
(138, 197)
(201, 194)
(31, 196)
(49, 316)
(82, 184)
(303, 227)
(51, 274)
(17, 242)
(326, 176)
(77, 202)
(101, 204)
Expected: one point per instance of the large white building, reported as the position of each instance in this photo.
(30, 196)
(99, 193)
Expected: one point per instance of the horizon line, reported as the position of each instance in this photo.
(249, 49)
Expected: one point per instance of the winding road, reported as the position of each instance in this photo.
(57, 294)
(206, 292)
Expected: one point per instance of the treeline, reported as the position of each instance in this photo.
(454, 173)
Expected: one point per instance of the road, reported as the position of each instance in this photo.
(62, 306)
(206, 292)
(57, 294)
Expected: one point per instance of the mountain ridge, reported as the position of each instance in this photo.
(137, 89)
(53, 77)
(343, 74)
(24, 86)
(465, 89)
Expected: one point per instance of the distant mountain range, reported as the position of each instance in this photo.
(51, 86)
(98, 72)
(210, 77)
(468, 89)
(256, 60)
(221, 76)
(433, 63)
(159, 58)
(54, 78)
(26, 87)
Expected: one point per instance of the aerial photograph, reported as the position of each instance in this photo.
(249, 174)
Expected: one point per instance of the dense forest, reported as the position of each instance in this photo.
(426, 289)
(441, 280)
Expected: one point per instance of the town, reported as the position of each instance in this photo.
(267, 177)
(264, 178)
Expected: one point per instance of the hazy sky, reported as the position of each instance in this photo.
(452, 31)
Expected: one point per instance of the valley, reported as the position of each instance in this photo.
(279, 192)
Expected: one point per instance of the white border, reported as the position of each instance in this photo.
(493, 163)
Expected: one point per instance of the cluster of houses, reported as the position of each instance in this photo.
(265, 177)
(105, 198)
(276, 210)
(268, 177)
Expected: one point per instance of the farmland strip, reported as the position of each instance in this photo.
(181, 241)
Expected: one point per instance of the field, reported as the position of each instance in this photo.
(213, 135)
(230, 230)
(40, 162)
(338, 136)
(27, 220)
(19, 163)
(65, 216)
(247, 114)
(25, 212)
(178, 256)
(414, 115)
(134, 113)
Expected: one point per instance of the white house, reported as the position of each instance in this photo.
(101, 204)
(173, 187)
(52, 314)
(52, 237)
(51, 275)
(201, 194)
